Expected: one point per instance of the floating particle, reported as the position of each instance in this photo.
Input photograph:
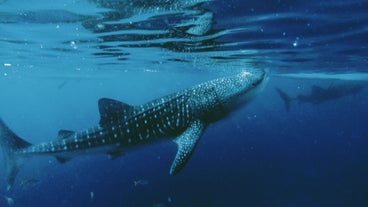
(296, 42)
(9, 200)
(92, 195)
(100, 26)
(141, 183)
(73, 44)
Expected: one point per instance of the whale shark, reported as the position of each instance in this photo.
(319, 95)
(181, 117)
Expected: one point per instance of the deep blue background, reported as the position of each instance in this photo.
(314, 155)
(260, 156)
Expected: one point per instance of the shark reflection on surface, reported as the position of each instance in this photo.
(319, 94)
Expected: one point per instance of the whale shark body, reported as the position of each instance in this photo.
(320, 95)
(181, 117)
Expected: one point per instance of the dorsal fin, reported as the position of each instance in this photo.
(111, 110)
(62, 134)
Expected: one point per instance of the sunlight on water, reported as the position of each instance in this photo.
(191, 33)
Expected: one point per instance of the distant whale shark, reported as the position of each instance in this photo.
(181, 116)
(319, 95)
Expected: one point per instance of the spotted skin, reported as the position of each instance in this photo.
(165, 117)
(181, 116)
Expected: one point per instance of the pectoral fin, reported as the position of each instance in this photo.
(186, 144)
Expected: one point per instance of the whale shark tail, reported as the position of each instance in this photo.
(286, 98)
(10, 144)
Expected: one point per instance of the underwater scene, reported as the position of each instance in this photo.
(183, 103)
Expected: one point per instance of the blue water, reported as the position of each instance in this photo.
(58, 58)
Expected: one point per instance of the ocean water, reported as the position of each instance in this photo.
(58, 58)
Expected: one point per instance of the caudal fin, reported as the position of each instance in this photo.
(286, 98)
(11, 144)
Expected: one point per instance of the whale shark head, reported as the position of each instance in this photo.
(235, 91)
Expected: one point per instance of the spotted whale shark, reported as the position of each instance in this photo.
(181, 117)
(320, 95)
